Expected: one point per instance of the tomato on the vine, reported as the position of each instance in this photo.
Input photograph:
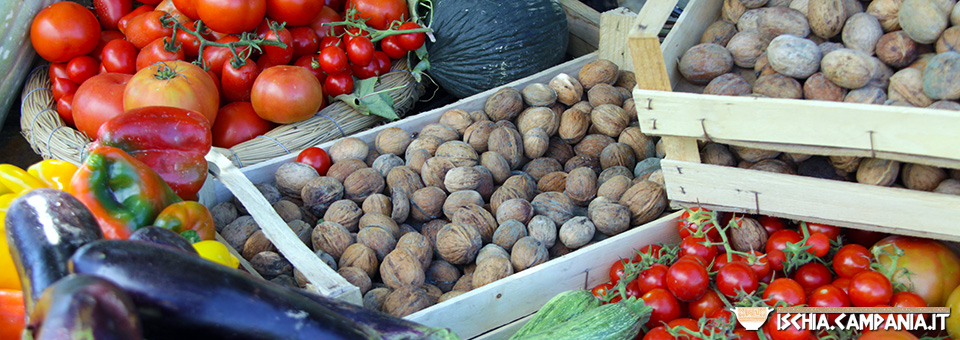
(125, 20)
(307, 62)
(862, 237)
(145, 28)
(231, 16)
(788, 333)
(771, 224)
(119, 56)
(213, 57)
(330, 41)
(110, 11)
(294, 12)
(380, 14)
(686, 226)
(81, 68)
(706, 305)
(688, 280)
(236, 83)
(315, 157)
(383, 60)
(333, 60)
(687, 327)
(652, 278)
(659, 333)
(819, 244)
(777, 259)
(279, 55)
(189, 42)
(617, 270)
(337, 84)
(779, 239)
(105, 37)
(761, 266)
(411, 41)
(812, 275)
(391, 47)
(907, 299)
(734, 277)
(843, 283)
(305, 42)
(650, 249)
(360, 50)
(370, 70)
(828, 296)
(187, 7)
(786, 290)
(64, 30)
(602, 290)
(697, 246)
(237, 123)
(870, 288)
(326, 15)
(665, 306)
(851, 259)
(155, 52)
(832, 232)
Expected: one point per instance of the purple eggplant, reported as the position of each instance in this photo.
(164, 237)
(80, 307)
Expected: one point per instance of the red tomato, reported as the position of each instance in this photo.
(789, 333)
(617, 270)
(887, 335)
(174, 83)
(156, 51)
(64, 30)
(687, 226)
(688, 280)
(819, 244)
(150, 2)
(110, 11)
(61, 87)
(294, 12)
(360, 50)
(231, 16)
(650, 249)
(315, 157)
(907, 299)
(330, 41)
(392, 48)
(864, 238)
(105, 37)
(687, 327)
(333, 60)
(305, 42)
(652, 278)
(237, 83)
(169, 7)
(411, 41)
(187, 7)
(761, 266)
(870, 288)
(812, 275)
(771, 224)
(372, 69)
(743, 334)
(353, 33)
(237, 123)
(734, 277)
(65, 108)
(119, 56)
(383, 60)
(659, 333)
(665, 306)
(843, 283)
(326, 15)
(337, 84)
(776, 259)
(705, 306)
(311, 63)
(145, 28)
(779, 239)
(214, 57)
(58, 70)
(722, 260)
(125, 20)
(934, 268)
(286, 94)
(81, 68)
(336, 5)
(851, 259)
(216, 81)
(189, 42)
(832, 232)
(97, 100)
(602, 290)
(785, 290)
(695, 246)
(380, 13)
(828, 296)
(276, 54)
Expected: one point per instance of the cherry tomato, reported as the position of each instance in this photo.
(776, 259)
(278, 55)
(743, 334)
(336, 5)
(819, 244)
(650, 249)
(907, 299)
(652, 278)
(687, 327)
(81, 68)
(237, 123)
(189, 42)
(264, 63)
(380, 14)
(360, 50)
(65, 108)
(125, 20)
(870, 288)
(761, 266)
(812, 275)
(383, 60)
(722, 260)
(843, 283)
(105, 37)
(659, 333)
(788, 333)
(602, 290)
(187, 7)
(864, 238)
(330, 41)
(156, 51)
(64, 30)
(231, 16)
(370, 70)
(832, 232)
(779, 239)
(311, 63)
(771, 224)
(851, 259)
(294, 12)
(58, 70)
(705, 306)
(734, 277)
(286, 94)
(236, 83)
(617, 271)
(61, 87)
(333, 60)
(145, 28)
(326, 15)
(119, 56)
(110, 11)
(337, 84)
(785, 290)
(828, 296)
(687, 226)
(392, 48)
(214, 57)
(411, 41)
(315, 157)
(687, 280)
(305, 42)
(665, 306)
(632, 289)
(695, 246)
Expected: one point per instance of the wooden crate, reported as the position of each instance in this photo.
(913, 135)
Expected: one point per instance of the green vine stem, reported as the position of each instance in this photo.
(353, 20)
(246, 39)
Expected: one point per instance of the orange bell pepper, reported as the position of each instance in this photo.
(12, 314)
(186, 216)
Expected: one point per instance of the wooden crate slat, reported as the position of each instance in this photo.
(900, 211)
(691, 24)
(868, 129)
(583, 23)
(515, 296)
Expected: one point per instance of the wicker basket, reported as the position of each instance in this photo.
(51, 138)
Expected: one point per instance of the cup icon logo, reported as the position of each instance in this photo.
(752, 318)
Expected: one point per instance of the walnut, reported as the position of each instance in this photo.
(401, 268)
(458, 244)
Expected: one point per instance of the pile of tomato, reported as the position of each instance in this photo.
(692, 286)
(288, 62)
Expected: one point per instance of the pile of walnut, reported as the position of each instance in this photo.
(891, 52)
(423, 216)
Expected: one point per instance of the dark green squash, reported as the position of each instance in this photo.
(482, 44)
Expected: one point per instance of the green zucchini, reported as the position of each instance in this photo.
(16, 52)
(559, 309)
(613, 321)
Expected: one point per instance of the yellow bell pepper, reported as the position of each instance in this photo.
(17, 180)
(14, 182)
(217, 252)
(54, 173)
(9, 279)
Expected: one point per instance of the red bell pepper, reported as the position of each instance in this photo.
(122, 193)
(189, 219)
(171, 141)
